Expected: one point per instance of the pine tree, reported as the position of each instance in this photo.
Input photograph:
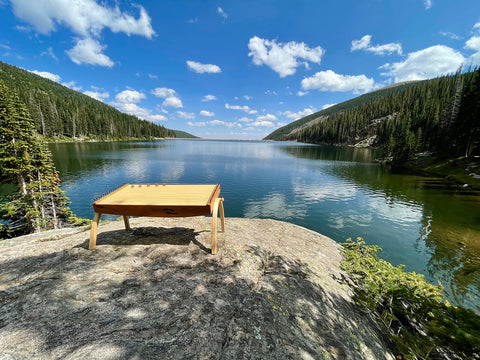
(25, 161)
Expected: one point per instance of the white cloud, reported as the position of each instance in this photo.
(200, 68)
(302, 93)
(326, 106)
(267, 117)
(50, 53)
(222, 13)
(97, 95)
(130, 96)
(212, 122)
(72, 85)
(428, 4)
(425, 64)
(262, 123)
(299, 114)
(127, 100)
(153, 76)
(243, 108)
(198, 123)
(207, 113)
(282, 58)
(247, 97)
(245, 119)
(185, 115)
(86, 19)
(450, 35)
(163, 92)
(331, 81)
(89, 51)
(364, 44)
(47, 75)
(173, 101)
(209, 98)
(170, 96)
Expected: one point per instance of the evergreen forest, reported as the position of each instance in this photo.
(439, 116)
(58, 111)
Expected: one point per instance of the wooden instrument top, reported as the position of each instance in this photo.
(147, 199)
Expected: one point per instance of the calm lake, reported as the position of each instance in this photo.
(432, 228)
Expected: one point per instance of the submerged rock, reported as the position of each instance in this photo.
(273, 291)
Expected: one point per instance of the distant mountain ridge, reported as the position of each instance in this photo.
(62, 112)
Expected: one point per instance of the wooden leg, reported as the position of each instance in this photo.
(214, 226)
(127, 223)
(222, 214)
(93, 231)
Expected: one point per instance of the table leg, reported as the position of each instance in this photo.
(218, 202)
(93, 231)
(127, 223)
(222, 214)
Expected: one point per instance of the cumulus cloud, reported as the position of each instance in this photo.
(172, 101)
(127, 100)
(243, 108)
(282, 58)
(47, 75)
(474, 44)
(209, 98)
(428, 4)
(331, 81)
(207, 113)
(185, 115)
(245, 119)
(86, 19)
(89, 51)
(266, 123)
(130, 96)
(365, 44)
(299, 114)
(203, 68)
(97, 95)
(212, 122)
(170, 96)
(425, 64)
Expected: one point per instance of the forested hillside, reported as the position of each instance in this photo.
(441, 115)
(59, 111)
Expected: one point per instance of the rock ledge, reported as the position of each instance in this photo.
(273, 291)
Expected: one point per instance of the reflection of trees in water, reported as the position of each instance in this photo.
(451, 218)
(336, 153)
(72, 158)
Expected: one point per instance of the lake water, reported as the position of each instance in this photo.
(432, 228)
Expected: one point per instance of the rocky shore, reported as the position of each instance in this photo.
(273, 291)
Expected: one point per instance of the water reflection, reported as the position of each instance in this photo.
(274, 206)
(445, 219)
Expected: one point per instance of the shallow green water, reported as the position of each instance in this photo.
(432, 228)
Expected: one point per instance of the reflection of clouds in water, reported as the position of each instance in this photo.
(327, 191)
(349, 219)
(398, 212)
(173, 172)
(136, 171)
(274, 206)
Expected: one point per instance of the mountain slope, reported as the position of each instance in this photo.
(439, 115)
(59, 111)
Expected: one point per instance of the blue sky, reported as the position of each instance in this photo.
(236, 69)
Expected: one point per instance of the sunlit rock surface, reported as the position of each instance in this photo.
(273, 291)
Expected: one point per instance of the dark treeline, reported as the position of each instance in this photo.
(59, 111)
(441, 116)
